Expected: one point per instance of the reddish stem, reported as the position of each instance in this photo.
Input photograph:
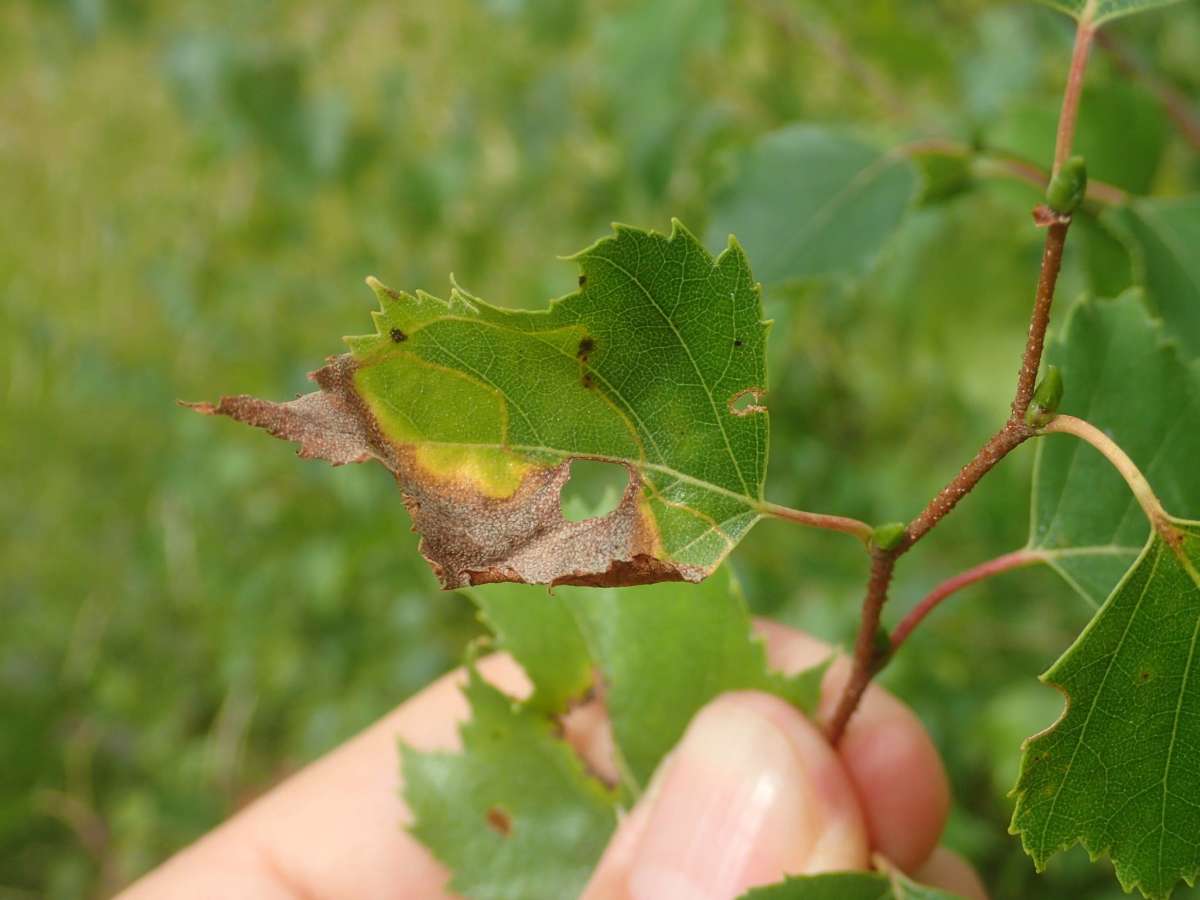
(1015, 560)
(1056, 239)
(1070, 106)
(1013, 434)
(882, 564)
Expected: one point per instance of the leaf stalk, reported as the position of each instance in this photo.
(1160, 519)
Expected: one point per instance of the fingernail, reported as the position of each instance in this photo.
(752, 792)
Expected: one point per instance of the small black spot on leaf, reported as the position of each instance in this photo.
(586, 346)
(586, 380)
(582, 280)
(737, 342)
(398, 336)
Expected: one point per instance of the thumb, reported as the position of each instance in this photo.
(752, 791)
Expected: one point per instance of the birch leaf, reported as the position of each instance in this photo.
(656, 364)
(1123, 376)
(1120, 771)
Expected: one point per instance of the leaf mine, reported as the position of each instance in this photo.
(479, 411)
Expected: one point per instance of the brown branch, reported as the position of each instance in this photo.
(1056, 238)
(883, 562)
(999, 445)
(1015, 432)
(1069, 115)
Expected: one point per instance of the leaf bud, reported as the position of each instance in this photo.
(1046, 397)
(888, 536)
(1067, 187)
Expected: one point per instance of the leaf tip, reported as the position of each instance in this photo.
(382, 291)
(201, 406)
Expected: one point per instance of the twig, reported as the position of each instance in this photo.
(1069, 115)
(1015, 431)
(883, 562)
(1056, 239)
(1015, 560)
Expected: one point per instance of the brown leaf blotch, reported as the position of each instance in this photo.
(467, 536)
(499, 821)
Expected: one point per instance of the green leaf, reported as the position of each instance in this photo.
(1120, 771)
(1104, 10)
(1120, 374)
(647, 641)
(809, 202)
(1164, 234)
(656, 364)
(514, 816)
(848, 886)
(539, 630)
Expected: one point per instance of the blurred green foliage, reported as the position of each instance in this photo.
(191, 194)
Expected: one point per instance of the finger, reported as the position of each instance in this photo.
(892, 762)
(947, 870)
(752, 791)
(334, 829)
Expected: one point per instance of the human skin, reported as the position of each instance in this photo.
(753, 791)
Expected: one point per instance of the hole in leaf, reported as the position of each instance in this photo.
(747, 401)
(499, 821)
(594, 489)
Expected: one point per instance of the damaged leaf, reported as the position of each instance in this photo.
(514, 816)
(479, 411)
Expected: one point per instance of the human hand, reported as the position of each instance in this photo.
(752, 792)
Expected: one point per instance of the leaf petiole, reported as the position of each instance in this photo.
(1018, 559)
(844, 524)
(1160, 520)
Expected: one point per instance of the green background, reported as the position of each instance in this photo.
(190, 196)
